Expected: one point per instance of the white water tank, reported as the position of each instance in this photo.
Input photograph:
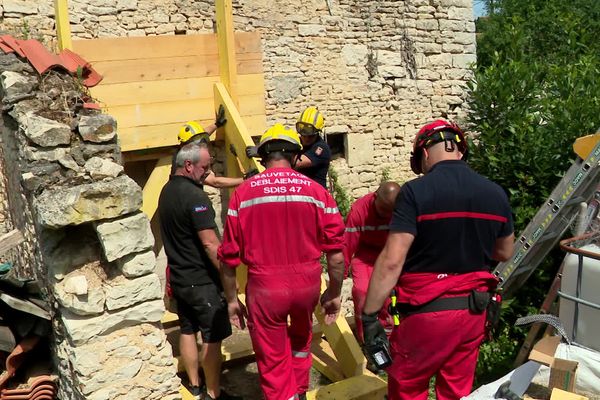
(581, 322)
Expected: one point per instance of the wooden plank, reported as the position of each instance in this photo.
(63, 27)
(176, 111)
(157, 179)
(10, 240)
(343, 343)
(145, 47)
(362, 387)
(130, 93)
(239, 347)
(323, 360)
(183, 66)
(226, 45)
(164, 135)
(584, 145)
(236, 132)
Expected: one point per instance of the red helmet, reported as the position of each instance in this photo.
(432, 133)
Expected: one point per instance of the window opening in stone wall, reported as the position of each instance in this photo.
(336, 142)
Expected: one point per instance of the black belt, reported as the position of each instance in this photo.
(439, 304)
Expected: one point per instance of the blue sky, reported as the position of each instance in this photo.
(478, 8)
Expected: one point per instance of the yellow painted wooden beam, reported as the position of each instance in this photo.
(584, 145)
(363, 387)
(157, 179)
(323, 360)
(343, 343)
(236, 132)
(63, 27)
(226, 45)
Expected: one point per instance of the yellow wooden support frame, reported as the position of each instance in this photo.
(63, 27)
(157, 179)
(226, 44)
(584, 145)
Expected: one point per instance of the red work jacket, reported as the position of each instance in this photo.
(280, 218)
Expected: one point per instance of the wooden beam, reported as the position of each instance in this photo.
(10, 240)
(226, 45)
(584, 145)
(157, 179)
(236, 133)
(363, 387)
(343, 343)
(63, 26)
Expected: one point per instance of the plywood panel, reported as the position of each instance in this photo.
(148, 137)
(185, 66)
(143, 48)
(120, 94)
(176, 111)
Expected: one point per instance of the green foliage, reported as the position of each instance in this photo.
(385, 175)
(339, 193)
(535, 90)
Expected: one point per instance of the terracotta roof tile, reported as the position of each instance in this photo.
(43, 60)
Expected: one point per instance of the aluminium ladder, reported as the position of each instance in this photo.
(550, 222)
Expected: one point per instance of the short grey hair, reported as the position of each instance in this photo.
(189, 152)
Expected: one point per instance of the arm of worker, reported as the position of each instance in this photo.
(221, 182)
(220, 120)
(210, 241)
(235, 308)
(353, 232)
(331, 297)
(317, 155)
(504, 248)
(387, 270)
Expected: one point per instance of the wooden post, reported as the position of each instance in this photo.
(226, 44)
(63, 27)
(157, 179)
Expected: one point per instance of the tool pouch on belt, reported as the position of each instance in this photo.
(493, 312)
(478, 301)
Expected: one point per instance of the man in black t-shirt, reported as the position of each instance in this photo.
(189, 234)
(447, 229)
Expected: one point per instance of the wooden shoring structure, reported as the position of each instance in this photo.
(152, 85)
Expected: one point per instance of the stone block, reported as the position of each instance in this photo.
(77, 285)
(97, 128)
(463, 60)
(15, 84)
(20, 6)
(81, 329)
(354, 54)
(99, 168)
(135, 265)
(359, 149)
(90, 202)
(312, 30)
(43, 131)
(122, 292)
(125, 236)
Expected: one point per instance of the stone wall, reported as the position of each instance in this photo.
(88, 244)
(377, 69)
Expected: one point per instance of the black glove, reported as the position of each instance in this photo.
(251, 152)
(376, 346)
(220, 119)
(250, 173)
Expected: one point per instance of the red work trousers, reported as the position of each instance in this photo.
(361, 275)
(443, 344)
(283, 351)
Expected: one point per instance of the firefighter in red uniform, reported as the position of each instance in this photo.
(367, 227)
(447, 229)
(279, 222)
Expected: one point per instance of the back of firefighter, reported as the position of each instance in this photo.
(447, 229)
(367, 227)
(278, 224)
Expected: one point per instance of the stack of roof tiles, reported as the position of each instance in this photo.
(42, 387)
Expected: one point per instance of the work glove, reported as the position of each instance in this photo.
(251, 152)
(376, 342)
(220, 119)
(250, 173)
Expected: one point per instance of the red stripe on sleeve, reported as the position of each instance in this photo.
(461, 214)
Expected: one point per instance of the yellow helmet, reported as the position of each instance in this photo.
(310, 122)
(192, 130)
(279, 138)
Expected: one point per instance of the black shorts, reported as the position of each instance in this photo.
(203, 308)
